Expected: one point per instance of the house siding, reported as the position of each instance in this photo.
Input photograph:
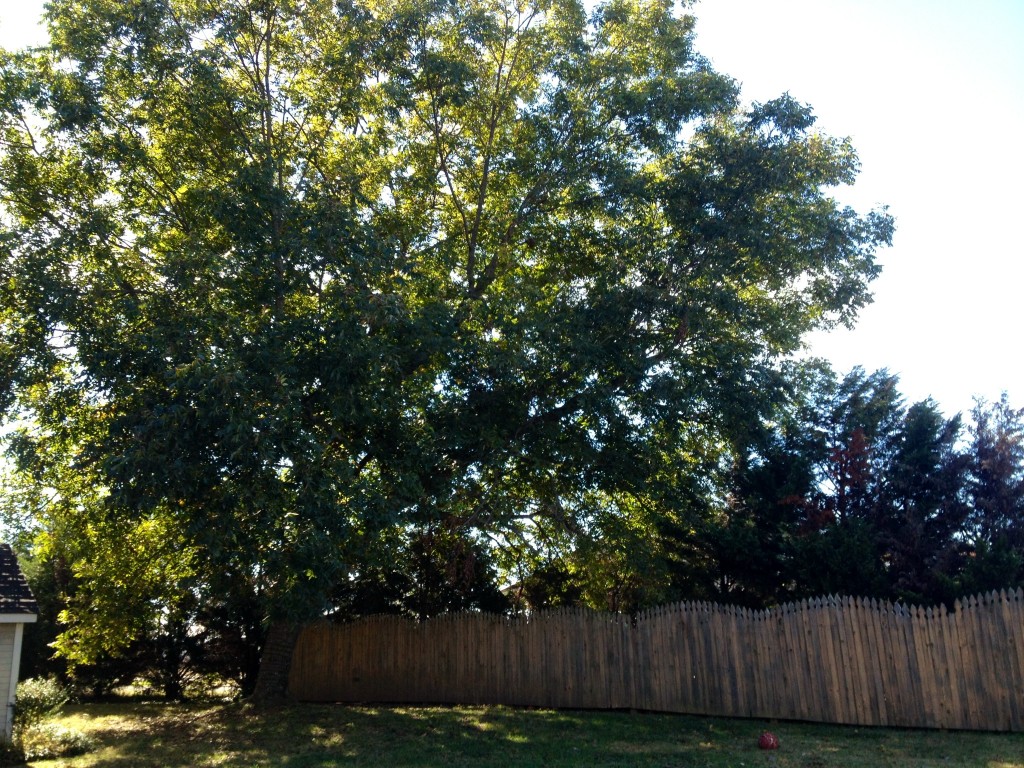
(7, 632)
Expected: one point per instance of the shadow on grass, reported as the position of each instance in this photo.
(318, 736)
(308, 736)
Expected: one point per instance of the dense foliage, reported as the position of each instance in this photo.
(292, 291)
(844, 490)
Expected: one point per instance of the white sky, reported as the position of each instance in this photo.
(932, 94)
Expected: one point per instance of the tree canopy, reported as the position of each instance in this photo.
(280, 279)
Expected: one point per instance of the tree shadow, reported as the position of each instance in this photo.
(322, 735)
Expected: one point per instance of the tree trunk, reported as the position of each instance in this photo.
(275, 663)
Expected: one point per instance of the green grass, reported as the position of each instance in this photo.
(139, 735)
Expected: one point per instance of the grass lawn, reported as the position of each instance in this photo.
(137, 735)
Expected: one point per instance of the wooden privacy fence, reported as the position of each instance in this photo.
(839, 660)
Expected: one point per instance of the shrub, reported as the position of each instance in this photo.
(45, 741)
(37, 699)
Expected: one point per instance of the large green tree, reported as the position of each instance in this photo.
(290, 275)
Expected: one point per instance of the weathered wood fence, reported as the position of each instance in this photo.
(838, 660)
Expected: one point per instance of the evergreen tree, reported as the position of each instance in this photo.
(995, 525)
(922, 507)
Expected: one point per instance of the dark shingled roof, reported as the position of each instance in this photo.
(15, 596)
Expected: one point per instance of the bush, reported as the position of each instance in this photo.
(36, 700)
(45, 741)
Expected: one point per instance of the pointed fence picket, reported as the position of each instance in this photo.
(830, 659)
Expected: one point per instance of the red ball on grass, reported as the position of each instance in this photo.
(768, 740)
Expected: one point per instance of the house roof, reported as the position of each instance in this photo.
(15, 596)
